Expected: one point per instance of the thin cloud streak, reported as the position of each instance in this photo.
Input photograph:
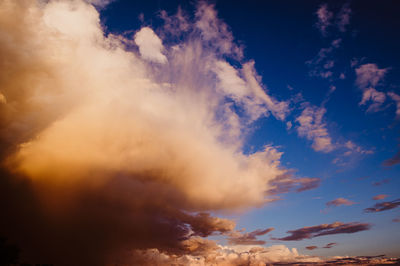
(325, 229)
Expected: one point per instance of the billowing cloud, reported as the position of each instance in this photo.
(380, 197)
(312, 127)
(325, 229)
(339, 201)
(239, 238)
(384, 206)
(106, 150)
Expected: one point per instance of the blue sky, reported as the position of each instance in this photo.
(282, 37)
(197, 132)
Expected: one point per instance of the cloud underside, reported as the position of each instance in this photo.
(325, 229)
(106, 149)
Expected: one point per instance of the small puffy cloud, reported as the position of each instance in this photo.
(380, 197)
(383, 206)
(339, 201)
(239, 238)
(325, 229)
(311, 247)
(324, 18)
(312, 127)
(150, 45)
(396, 220)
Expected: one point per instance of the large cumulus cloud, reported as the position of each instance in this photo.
(106, 148)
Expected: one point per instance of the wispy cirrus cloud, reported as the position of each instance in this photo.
(383, 206)
(325, 229)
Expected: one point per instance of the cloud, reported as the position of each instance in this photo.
(352, 147)
(324, 19)
(383, 206)
(368, 77)
(150, 45)
(106, 149)
(286, 183)
(311, 247)
(321, 65)
(238, 238)
(395, 97)
(339, 201)
(325, 229)
(379, 183)
(330, 245)
(227, 255)
(380, 197)
(343, 17)
(375, 97)
(396, 220)
(392, 161)
(312, 127)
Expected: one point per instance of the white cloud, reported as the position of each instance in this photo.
(150, 45)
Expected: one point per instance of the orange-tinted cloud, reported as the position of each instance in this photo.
(105, 150)
(380, 197)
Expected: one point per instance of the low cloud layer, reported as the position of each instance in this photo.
(325, 229)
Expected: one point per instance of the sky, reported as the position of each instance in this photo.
(199, 132)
